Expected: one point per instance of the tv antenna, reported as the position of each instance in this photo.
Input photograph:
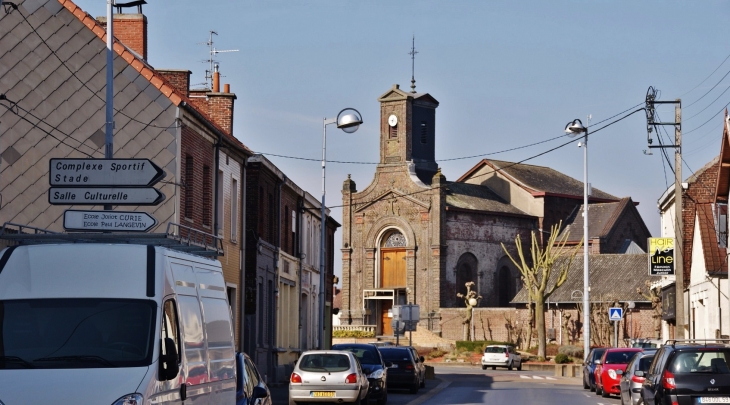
(211, 59)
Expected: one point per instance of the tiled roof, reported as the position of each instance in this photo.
(612, 277)
(602, 218)
(714, 257)
(539, 179)
(479, 198)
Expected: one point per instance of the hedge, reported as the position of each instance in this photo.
(352, 334)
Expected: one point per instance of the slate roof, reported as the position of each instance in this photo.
(478, 198)
(714, 257)
(602, 219)
(539, 179)
(612, 276)
(53, 65)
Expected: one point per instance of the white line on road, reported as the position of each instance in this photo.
(550, 378)
(526, 376)
(536, 377)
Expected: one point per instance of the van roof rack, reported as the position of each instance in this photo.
(177, 237)
(704, 342)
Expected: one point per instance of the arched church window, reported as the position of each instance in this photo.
(466, 271)
(506, 288)
(394, 240)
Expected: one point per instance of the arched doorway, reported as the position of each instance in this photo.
(505, 286)
(466, 271)
(392, 273)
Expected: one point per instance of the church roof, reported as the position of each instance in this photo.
(612, 277)
(539, 179)
(478, 198)
(602, 218)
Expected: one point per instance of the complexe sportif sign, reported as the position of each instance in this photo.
(104, 172)
(103, 221)
(661, 256)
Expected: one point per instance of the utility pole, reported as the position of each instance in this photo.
(651, 94)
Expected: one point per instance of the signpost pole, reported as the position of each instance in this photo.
(410, 325)
(615, 333)
(109, 135)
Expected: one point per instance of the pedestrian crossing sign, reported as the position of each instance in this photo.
(615, 313)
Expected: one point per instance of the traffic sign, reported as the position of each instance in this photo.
(128, 221)
(615, 313)
(104, 172)
(104, 196)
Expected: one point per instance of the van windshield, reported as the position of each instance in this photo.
(76, 333)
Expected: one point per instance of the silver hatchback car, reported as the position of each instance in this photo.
(328, 376)
(633, 378)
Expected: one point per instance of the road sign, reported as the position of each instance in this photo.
(104, 195)
(128, 221)
(615, 313)
(104, 172)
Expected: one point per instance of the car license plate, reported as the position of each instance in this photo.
(713, 400)
(323, 394)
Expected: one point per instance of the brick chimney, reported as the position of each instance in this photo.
(131, 30)
(180, 78)
(220, 105)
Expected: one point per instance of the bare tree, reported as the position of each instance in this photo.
(553, 257)
(471, 299)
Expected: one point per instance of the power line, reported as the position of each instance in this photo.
(710, 75)
(708, 91)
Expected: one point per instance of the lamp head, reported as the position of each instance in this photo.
(574, 128)
(349, 120)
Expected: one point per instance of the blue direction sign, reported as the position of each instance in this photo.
(104, 173)
(615, 313)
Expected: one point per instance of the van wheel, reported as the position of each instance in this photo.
(494, 367)
(484, 367)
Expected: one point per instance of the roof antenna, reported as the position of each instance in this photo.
(413, 53)
(211, 59)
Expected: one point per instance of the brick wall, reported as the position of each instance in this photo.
(180, 79)
(202, 152)
(629, 225)
(218, 106)
(701, 189)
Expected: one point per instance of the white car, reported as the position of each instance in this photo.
(501, 356)
(333, 376)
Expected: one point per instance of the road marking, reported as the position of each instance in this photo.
(550, 378)
(536, 377)
(526, 376)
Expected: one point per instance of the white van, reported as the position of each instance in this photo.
(116, 324)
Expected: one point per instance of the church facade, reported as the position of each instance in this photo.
(410, 236)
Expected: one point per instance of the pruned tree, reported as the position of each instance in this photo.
(553, 258)
(471, 299)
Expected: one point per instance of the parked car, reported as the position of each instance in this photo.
(374, 367)
(589, 367)
(501, 356)
(407, 368)
(633, 378)
(328, 376)
(250, 387)
(688, 372)
(610, 367)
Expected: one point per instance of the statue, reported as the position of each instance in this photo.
(471, 299)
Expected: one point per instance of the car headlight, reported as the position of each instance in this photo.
(612, 374)
(377, 374)
(129, 399)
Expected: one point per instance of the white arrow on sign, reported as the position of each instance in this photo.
(104, 195)
(615, 313)
(104, 172)
(127, 221)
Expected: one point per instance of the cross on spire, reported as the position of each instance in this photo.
(413, 53)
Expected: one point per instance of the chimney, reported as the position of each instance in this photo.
(216, 79)
(220, 105)
(131, 30)
(179, 78)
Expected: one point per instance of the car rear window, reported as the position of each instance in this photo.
(619, 357)
(495, 350)
(598, 353)
(645, 362)
(367, 355)
(329, 362)
(705, 362)
(395, 354)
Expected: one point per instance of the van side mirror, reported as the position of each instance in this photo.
(168, 362)
(259, 392)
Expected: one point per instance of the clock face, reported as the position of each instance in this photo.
(393, 120)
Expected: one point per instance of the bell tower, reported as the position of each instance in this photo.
(407, 131)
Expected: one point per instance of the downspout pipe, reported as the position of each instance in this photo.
(300, 218)
(216, 185)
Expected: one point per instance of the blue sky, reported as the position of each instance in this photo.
(507, 74)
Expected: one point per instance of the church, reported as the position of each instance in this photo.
(411, 236)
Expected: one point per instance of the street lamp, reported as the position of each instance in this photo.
(574, 128)
(348, 120)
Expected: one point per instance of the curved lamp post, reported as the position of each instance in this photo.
(573, 129)
(348, 120)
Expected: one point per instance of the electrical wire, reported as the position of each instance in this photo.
(708, 105)
(708, 91)
(710, 75)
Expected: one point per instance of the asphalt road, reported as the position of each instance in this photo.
(466, 385)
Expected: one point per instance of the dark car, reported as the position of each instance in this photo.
(633, 378)
(407, 369)
(688, 372)
(589, 367)
(250, 387)
(373, 366)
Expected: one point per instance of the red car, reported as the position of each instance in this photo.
(606, 374)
